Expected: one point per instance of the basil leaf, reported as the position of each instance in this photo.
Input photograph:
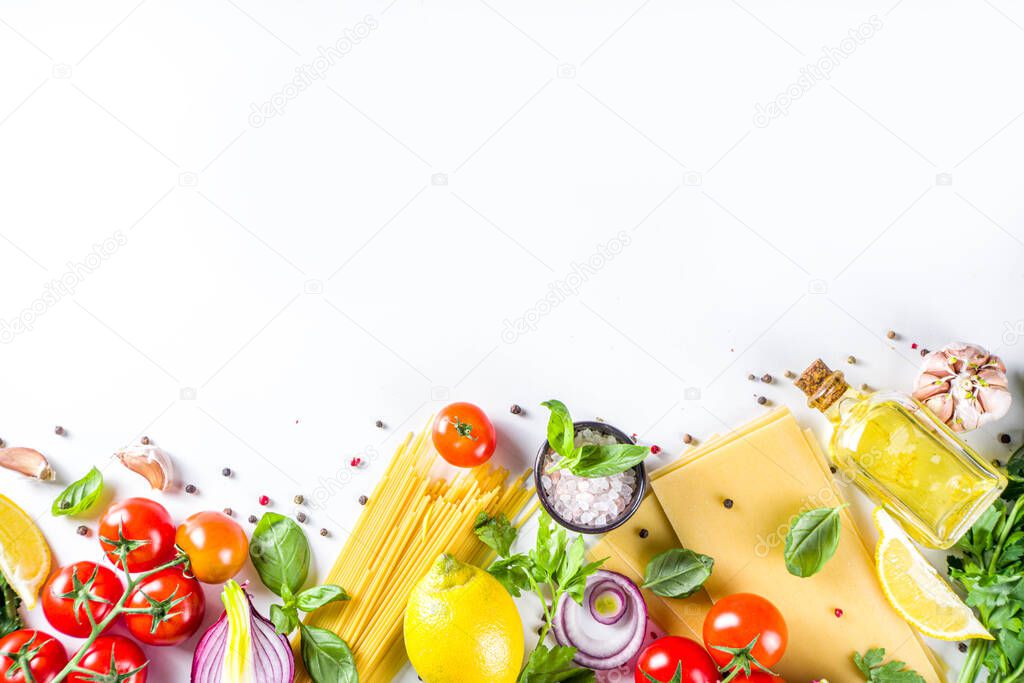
(80, 495)
(561, 432)
(318, 596)
(606, 460)
(284, 619)
(677, 573)
(326, 656)
(280, 552)
(554, 666)
(495, 532)
(812, 541)
(10, 620)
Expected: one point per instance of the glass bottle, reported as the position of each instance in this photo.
(904, 458)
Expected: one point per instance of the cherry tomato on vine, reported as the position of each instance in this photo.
(113, 658)
(166, 608)
(464, 435)
(89, 585)
(37, 653)
(735, 621)
(672, 654)
(144, 521)
(215, 544)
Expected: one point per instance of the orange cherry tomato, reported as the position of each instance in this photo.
(464, 436)
(215, 544)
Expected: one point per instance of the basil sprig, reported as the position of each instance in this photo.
(280, 552)
(812, 540)
(591, 460)
(677, 573)
(80, 495)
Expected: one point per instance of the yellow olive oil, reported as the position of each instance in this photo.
(904, 458)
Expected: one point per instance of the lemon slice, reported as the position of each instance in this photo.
(916, 590)
(24, 553)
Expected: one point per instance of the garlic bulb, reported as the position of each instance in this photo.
(149, 461)
(28, 461)
(964, 386)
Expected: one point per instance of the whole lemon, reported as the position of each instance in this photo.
(461, 626)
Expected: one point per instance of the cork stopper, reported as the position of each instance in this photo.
(821, 385)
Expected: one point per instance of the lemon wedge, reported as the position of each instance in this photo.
(24, 553)
(916, 590)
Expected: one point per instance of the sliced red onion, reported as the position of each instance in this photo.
(607, 603)
(599, 645)
(268, 659)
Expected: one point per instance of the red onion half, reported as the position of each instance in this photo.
(599, 645)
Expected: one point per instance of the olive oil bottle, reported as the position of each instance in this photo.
(904, 458)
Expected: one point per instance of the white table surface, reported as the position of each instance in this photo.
(487, 200)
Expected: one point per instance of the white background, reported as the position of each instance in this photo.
(276, 285)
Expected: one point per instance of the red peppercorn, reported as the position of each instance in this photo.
(355, 462)
(914, 345)
(264, 500)
(655, 449)
(838, 612)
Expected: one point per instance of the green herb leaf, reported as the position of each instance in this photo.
(495, 532)
(561, 432)
(318, 596)
(284, 619)
(812, 540)
(80, 495)
(1015, 473)
(554, 666)
(10, 620)
(870, 664)
(326, 656)
(608, 459)
(280, 552)
(677, 573)
(513, 573)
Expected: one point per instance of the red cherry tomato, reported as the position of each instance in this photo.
(178, 606)
(86, 583)
(216, 546)
(735, 621)
(464, 436)
(138, 519)
(666, 656)
(758, 677)
(38, 653)
(113, 658)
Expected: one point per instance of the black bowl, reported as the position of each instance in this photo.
(631, 508)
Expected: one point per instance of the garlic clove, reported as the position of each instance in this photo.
(995, 401)
(929, 385)
(28, 461)
(149, 461)
(942, 406)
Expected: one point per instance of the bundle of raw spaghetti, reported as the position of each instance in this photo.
(410, 519)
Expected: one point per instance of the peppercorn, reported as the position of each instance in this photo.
(924, 352)
(229, 512)
(324, 532)
(851, 360)
(914, 345)
(252, 519)
(190, 488)
(891, 334)
(962, 647)
(832, 469)
(298, 500)
(655, 449)
(762, 400)
(1004, 438)
(790, 374)
(752, 377)
(644, 533)
(226, 472)
(997, 462)
(145, 440)
(687, 438)
(767, 379)
(301, 517)
(864, 387)
(58, 430)
(82, 530)
(2, 443)
(515, 409)
(838, 612)
(378, 424)
(355, 462)
(727, 503)
(362, 500)
(264, 500)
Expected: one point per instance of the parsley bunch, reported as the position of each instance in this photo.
(555, 567)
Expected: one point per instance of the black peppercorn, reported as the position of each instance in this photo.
(761, 400)
(962, 647)
(190, 488)
(766, 378)
(324, 532)
(82, 530)
(378, 424)
(644, 533)
(727, 503)
(226, 472)
(252, 519)
(515, 409)
(362, 500)
(832, 469)
(752, 377)
(58, 430)
(1004, 438)
(301, 517)
(229, 512)
(145, 440)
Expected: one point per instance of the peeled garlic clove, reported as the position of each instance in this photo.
(28, 461)
(149, 461)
